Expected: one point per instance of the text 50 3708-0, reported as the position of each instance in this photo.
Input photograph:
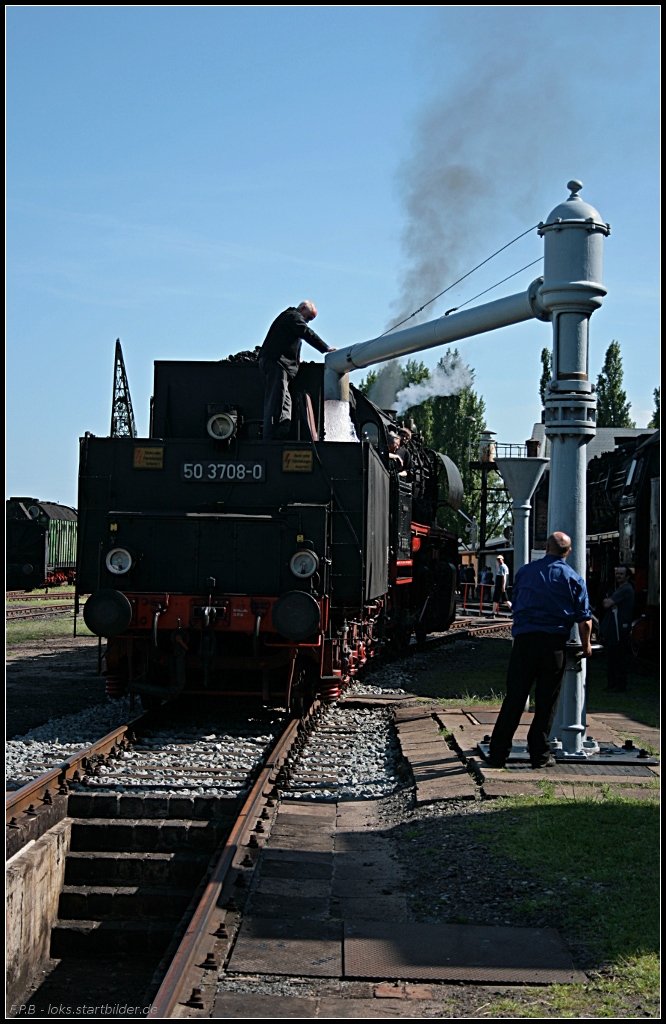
(224, 472)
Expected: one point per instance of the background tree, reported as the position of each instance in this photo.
(612, 405)
(458, 421)
(546, 373)
(383, 387)
(451, 423)
(654, 422)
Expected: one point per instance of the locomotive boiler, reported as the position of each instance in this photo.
(220, 563)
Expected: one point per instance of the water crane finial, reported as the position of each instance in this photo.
(575, 187)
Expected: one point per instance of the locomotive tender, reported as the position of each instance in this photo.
(41, 543)
(223, 564)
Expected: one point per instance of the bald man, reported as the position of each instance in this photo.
(279, 358)
(548, 598)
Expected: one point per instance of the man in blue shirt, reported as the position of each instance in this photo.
(548, 598)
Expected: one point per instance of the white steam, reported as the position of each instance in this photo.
(445, 380)
(450, 376)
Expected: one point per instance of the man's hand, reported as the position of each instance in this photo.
(585, 632)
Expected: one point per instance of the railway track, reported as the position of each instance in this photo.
(20, 605)
(140, 813)
(471, 627)
(95, 754)
(15, 614)
(310, 763)
(180, 896)
(465, 627)
(125, 806)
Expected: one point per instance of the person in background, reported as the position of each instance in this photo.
(501, 580)
(279, 359)
(548, 598)
(470, 580)
(486, 584)
(460, 577)
(396, 453)
(616, 630)
(405, 435)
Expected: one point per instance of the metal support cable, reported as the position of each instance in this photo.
(468, 274)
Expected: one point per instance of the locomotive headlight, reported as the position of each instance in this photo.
(119, 561)
(221, 426)
(304, 564)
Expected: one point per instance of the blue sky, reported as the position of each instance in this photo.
(176, 176)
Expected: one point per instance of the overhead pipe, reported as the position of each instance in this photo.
(514, 309)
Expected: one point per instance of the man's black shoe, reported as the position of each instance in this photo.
(495, 762)
(545, 762)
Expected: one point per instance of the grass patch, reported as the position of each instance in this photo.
(597, 861)
(26, 631)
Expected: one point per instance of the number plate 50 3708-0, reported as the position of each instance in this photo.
(224, 472)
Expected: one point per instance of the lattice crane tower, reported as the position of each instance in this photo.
(122, 414)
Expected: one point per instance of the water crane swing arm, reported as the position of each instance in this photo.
(490, 316)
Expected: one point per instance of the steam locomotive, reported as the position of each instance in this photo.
(40, 543)
(623, 529)
(220, 563)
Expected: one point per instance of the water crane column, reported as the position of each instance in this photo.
(573, 262)
(567, 295)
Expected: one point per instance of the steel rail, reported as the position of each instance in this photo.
(20, 800)
(171, 990)
(38, 613)
(489, 627)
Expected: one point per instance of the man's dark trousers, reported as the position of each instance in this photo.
(535, 657)
(277, 398)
